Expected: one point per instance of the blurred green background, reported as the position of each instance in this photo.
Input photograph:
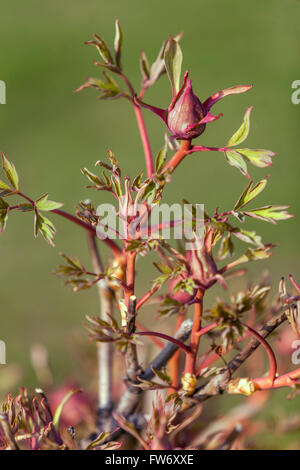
(50, 132)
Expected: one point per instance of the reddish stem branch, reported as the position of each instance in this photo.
(200, 148)
(110, 243)
(142, 128)
(183, 346)
(285, 380)
(156, 341)
(146, 297)
(130, 276)
(272, 359)
(195, 337)
(179, 155)
(145, 140)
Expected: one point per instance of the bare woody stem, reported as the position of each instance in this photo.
(195, 336)
(104, 350)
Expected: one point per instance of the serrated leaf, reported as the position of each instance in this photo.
(236, 160)
(118, 42)
(44, 226)
(258, 157)
(44, 204)
(250, 193)
(242, 133)
(173, 61)
(10, 172)
(270, 213)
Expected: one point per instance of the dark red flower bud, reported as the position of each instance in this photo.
(186, 113)
(187, 116)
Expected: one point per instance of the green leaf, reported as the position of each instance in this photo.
(44, 204)
(248, 236)
(3, 204)
(158, 67)
(226, 247)
(258, 157)
(92, 177)
(59, 409)
(118, 44)
(102, 48)
(251, 193)
(3, 214)
(3, 220)
(270, 213)
(10, 171)
(242, 133)
(4, 189)
(255, 254)
(99, 440)
(144, 66)
(161, 158)
(162, 374)
(137, 182)
(236, 160)
(44, 226)
(173, 61)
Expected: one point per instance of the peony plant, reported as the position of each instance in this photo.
(185, 369)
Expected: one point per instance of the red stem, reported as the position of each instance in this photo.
(146, 296)
(272, 359)
(130, 276)
(156, 341)
(179, 155)
(206, 329)
(183, 346)
(285, 380)
(195, 337)
(200, 148)
(145, 140)
(142, 128)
